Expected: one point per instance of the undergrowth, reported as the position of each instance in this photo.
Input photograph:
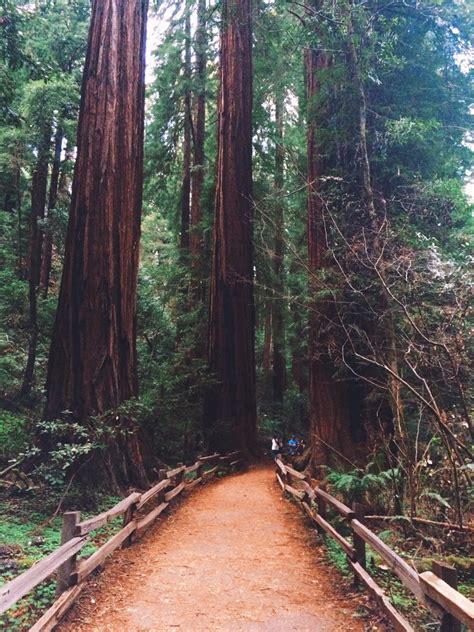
(28, 532)
(402, 599)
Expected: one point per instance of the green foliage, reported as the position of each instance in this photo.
(71, 445)
(365, 486)
(336, 555)
(14, 434)
(437, 498)
(23, 544)
(29, 533)
(78, 442)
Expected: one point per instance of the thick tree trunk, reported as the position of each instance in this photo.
(231, 406)
(197, 177)
(92, 364)
(39, 189)
(329, 408)
(278, 320)
(47, 253)
(186, 182)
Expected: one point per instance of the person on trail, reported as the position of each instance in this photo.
(292, 446)
(275, 447)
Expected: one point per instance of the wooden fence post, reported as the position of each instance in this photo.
(127, 518)
(322, 511)
(359, 544)
(162, 474)
(64, 580)
(283, 474)
(223, 465)
(450, 576)
(180, 476)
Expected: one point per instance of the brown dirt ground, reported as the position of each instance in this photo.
(235, 556)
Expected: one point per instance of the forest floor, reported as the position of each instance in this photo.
(235, 556)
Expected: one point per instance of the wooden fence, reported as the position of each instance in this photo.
(435, 590)
(71, 571)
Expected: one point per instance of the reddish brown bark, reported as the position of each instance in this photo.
(231, 406)
(92, 364)
(197, 178)
(329, 410)
(47, 253)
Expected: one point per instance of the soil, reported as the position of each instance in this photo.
(235, 556)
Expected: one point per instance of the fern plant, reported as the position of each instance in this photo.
(365, 486)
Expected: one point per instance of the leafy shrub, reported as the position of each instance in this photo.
(14, 434)
(371, 488)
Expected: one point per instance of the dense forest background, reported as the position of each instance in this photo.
(361, 230)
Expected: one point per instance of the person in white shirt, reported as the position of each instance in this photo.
(275, 447)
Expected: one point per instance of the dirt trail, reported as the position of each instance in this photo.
(234, 557)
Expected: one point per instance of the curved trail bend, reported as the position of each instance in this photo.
(234, 557)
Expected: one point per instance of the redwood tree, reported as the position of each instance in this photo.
(329, 407)
(230, 406)
(92, 363)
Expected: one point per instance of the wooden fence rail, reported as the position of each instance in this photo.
(71, 572)
(11, 592)
(435, 590)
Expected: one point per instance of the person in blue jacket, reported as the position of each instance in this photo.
(292, 445)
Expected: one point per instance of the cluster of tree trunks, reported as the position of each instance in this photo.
(230, 408)
(92, 364)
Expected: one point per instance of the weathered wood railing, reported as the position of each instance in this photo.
(71, 571)
(435, 590)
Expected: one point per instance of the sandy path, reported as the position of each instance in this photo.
(234, 556)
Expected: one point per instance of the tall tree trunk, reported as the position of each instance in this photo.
(231, 405)
(278, 320)
(92, 363)
(197, 178)
(47, 253)
(19, 227)
(39, 189)
(329, 414)
(186, 182)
